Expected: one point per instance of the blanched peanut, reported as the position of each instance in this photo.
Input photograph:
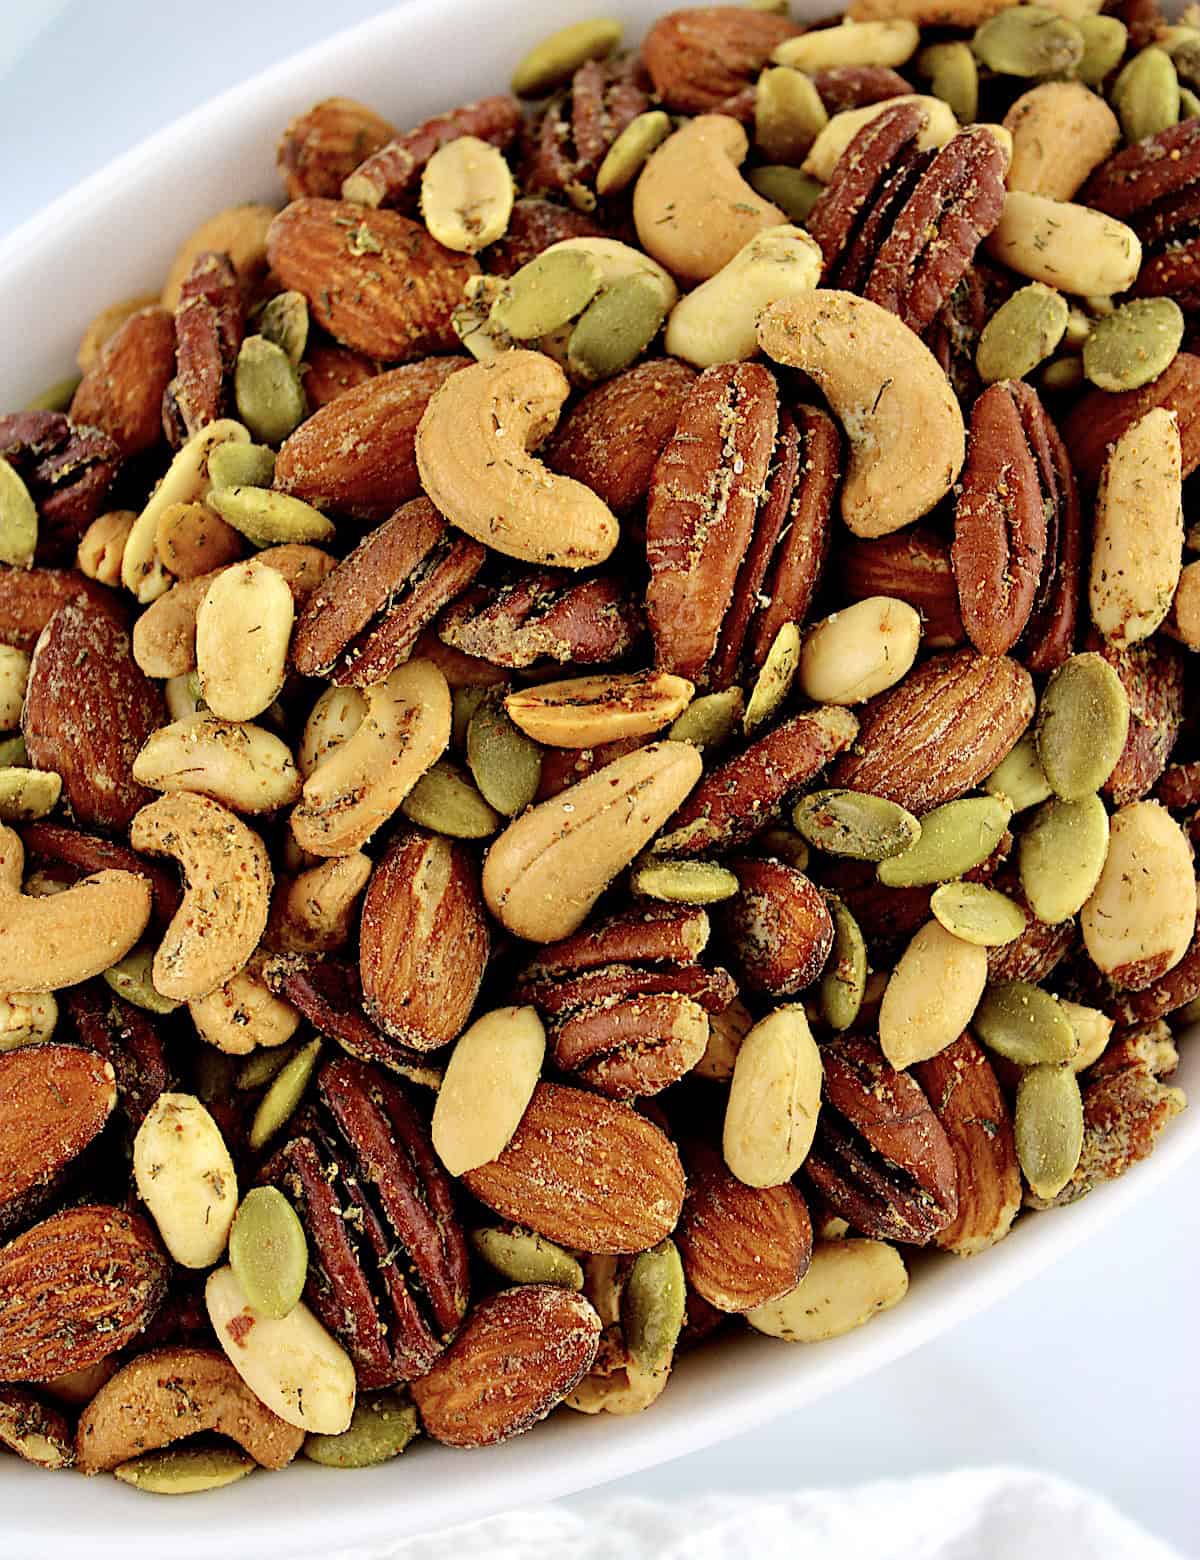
(856, 653)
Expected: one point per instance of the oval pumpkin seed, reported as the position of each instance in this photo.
(1145, 95)
(788, 114)
(855, 824)
(786, 846)
(1048, 1127)
(1061, 856)
(381, 1427)
(1024, 1023)
(130, 978)
(1019, 777)
(1022, 333)
(186, 1469)
(284, 320)
(281, 1099)
(684, 882)
(1028, 41)
(1104, 39)
(791, 189)
(525, 1258)
(266, 385)
(844, 978)
(546, 294)
(616, 328)
(56, 397)
(28, 794)
(506, 764)
(628, 153)
(446, 800)
(775, 679)
(1082, 724)
(1134, 344)
(709, 720)
(12, 752)
(1189, 103)
(556, 59)
(18, 519)
(652, 1306)
(1062, 373)
(975, 913)
(953, 77)
(261, 1066)
(234, 465)
(954, 838)
(268, 1252)
(269, 518)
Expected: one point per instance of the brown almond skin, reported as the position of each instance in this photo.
(54, 1100)
(780, 927)
(330, 370)
(320, 148)
(914, 566)
(122, 394)
(29, 598)
(698, 59)
(518, 1355)
(586, 1172)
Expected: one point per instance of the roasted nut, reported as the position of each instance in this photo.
(34, 1430)
(716, 322)
(699, 59)
(861, 651)
(778, 926)
(316, 911)
(244, 767)
(244, 1013)
(489, 1080)
(847, 1283)
(54, 1099)
(390, 175)
(1132, 934)
(186, 1178)
(631, 1045)
(843, 129)
(774, 1097)
(586, 711)
(930, 996)
(1065, 245)
(1061, 133)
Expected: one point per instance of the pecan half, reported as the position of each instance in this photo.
(699, 59)
(391, 175)
(843, 87)
(779, 927)
(546, 615)
(1154, 187)
(1152, 674)
(1038, 950)
(1050, 633)
(914, 566)
(534, 225)
(209, 323)
(1099, 418)
(126, 1037)
(632, 1047)
(68, 471)
(661, 934)
(571, 137)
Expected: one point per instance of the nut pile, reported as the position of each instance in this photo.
(600, 731)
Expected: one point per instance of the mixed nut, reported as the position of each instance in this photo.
(599, 731)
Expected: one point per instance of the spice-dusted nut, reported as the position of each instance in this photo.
(334, 718)
(931, 995)
(774, 1097)
(227, 896)
(14, 675)
(1139, 921)
(585, 711)
(54, 1100)
(164, 636)
(27, 794)
(940, 126)
(907, 441)
(489, 1080)
(859, 43)
(244, 1013)
(1102, 416)
(248, 769)
(322, 147)
(26, 1018)
(34, 1430)
(473, 447)
(541, 615)
(1065, 245)
(1138, 544)
(466, 194)
(104, 325)
(1061, 133)
(359, 784)
(701, 59)
(778, 926)
(546, 871)
(316, 911)
(239, 232)
(193, 539)
(102, 546)
(631, 1046)
(1184, 619)
(912, 565)
(693, 209)
(848, 1282)
(66, 938)
(860, 651)
(186, 1178)
(122, 393)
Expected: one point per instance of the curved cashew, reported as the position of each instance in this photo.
(244, 1013)
(314, 911)
(67, 937)
(244, 767)
(902, 420)
(842, 128)
(361, 782)
(692, 208)
(227, 894)
(243, 629)
(473, 448)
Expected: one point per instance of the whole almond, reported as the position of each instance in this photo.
(324, 146)
(931, 995)
(54, 1099)
(1135, 935)
(122, 393)
(488, 1082)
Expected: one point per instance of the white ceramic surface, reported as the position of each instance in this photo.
(112, 236)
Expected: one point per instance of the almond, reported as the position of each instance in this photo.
(324, 146)
(54, 1099)
(29, 598)
(699, 59)
(780, 927)
(122, 393)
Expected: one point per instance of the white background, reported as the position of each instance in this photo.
(1093, 1372)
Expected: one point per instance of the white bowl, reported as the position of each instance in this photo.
(113, 236)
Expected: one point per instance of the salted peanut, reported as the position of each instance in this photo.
(164, 636)
(718, 321)
(227, 891)
(244, 1014)
(851, 43)
(1139, 920)
(246, 768)
(357, 785)
(583, 712)
(856, 653)
(774, 1099)
(1065, 245)
(292, 1365)
(467, 194)
(473, 447)
(26, 1018)
(1184, 620)
(193, 539)
(1061, 131)
(931, 995)
(239, 232)
(489, 1080)
(848, 1282)
(337, 715)
(105, 325)
(896, 406)
(102, 546)
(67, 936)
(1093, 1030)
(1137, 547)
(692, 208)
(314, 912)
(243, 629)
(14, 676)
(185, 1176)
(546, 871)
(837, 135)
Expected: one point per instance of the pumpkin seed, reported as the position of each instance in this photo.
(555, 59)
(844, 979)
(1048, 1127)
(775, 679)
(1134, 344)
(1061, 374)
(788, 114)
(1019, 778)
(26, 794)
(953, 77)
(261, 1066)
(281, 1099)
(1189, 103)
(1022, 333)
(233, 465)
(616, 328)
(186, 1470)
(1145, 96)
(381, 1427)
(467, 194)
(652, 1306)
(268, 1252)
(1104, 40)
(269, 518)
(709, 720)
(446, 800)
(267, 388)
(506, 764)
(1061, 856)
(855, 824)
(56, 397)
(1023, 1023)
(792, 190)
(525, 1258)
(546, 294)
(954, 838)
(12, 752)
(1028, 41)
(18, 519)
(284, 320)
(464, 702)
(786, 846)
(1082, 724)
(975, 913)
(130, 978)
(628, 153)
(684, 882)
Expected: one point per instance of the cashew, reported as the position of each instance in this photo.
(473, 448)
(717, 323)
(246, 768)
(359, 784)
(69, 936)
(102, 546)
(1137, 545)
(227, 894)
(1067, 246)
(842, 128)
(1060, 132)
(847, 1283)
(314, 912)
(243, 629)
(14, 675)
(186, 1178)
(903, 423)
(692, 208)
(26, 1018)
(336, 715)
(852, 43)
(239, 232)
(164, 636)
(244, 1013)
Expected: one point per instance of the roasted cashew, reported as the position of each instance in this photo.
(899, 414)
(473, 448)
(314, 912)
(244, 767)
(244, 1013)
(67, 937)
(227, 893)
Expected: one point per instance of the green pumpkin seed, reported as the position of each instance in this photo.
(506, 764)
(525, 1258)
(1048, 1127)
(549, 292)
(1023, 1023)
(794, 192)
(1061, 374)
(1082, 723)
(954, 838)
(684, 882)
(953, 77)
(267, 388)
(464, 702)
(788, 114)
(1061, 856)
(1029, 41)
(1134, 344)
(18, 519)
(1022, 333)
(284, 321)
(555, 59)
(652, 1306)
(382, 1426)
(268, 1252)
(775, 679)
(269, 518)
(616, 328)
(262, 1065)
(277, 1105)
(27, 794)
(186, 1470)
(234, 465)
(1104, 40)
(1145, 96)
(131, 978)
(12, 752)
(786, 846)
(855, 824)
(1189, 103)
(1018, 777)
(709, 720)
(628, 153)
(977, 914)
(56, 397)
(844, 979)
(446, 800)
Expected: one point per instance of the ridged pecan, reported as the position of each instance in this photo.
(1050, 632)
(779, 927)
(1038, 950)
(660, 934)
(914, 566)
(68, 471)
(566, 144)
(1152, 674)
(633, 1046)
(953, 335)
(322, 147)
(1099, 418)
(562, 767)
(127, 1037)
(698, 59)
(534, 225)
(546, 615)
(1179, 786)
(1154, 187)
(391, 175)
(209, 324)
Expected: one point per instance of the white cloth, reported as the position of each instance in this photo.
(984, 1514)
